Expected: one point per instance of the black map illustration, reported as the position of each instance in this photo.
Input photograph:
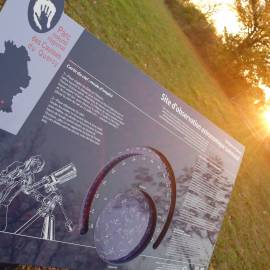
(14, 77)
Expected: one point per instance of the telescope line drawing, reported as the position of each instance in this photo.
(20, 177)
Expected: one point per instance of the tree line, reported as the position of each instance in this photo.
(239, 62)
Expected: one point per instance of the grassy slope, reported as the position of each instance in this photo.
(145, 33)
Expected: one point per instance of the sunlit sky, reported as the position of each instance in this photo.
(224, 16)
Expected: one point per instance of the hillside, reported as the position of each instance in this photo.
(146, 34)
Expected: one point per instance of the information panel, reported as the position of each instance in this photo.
(101, 167)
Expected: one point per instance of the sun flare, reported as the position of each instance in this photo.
(224, 16)
(266, 116)
(266, 91)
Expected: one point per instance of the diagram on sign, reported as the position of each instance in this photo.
(14, 77)
(22, 178)
(126, 225)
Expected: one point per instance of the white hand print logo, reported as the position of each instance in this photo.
(43, 15)
(44, 12)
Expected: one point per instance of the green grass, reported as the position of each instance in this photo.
(146, 34)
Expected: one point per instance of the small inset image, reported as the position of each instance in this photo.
(43, 15)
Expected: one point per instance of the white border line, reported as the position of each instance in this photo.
(56, 241)
(144, 113)
(85, 246)
(134, 106)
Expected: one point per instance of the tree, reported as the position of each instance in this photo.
(214, 51)
(238, 62)
(249, 49)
